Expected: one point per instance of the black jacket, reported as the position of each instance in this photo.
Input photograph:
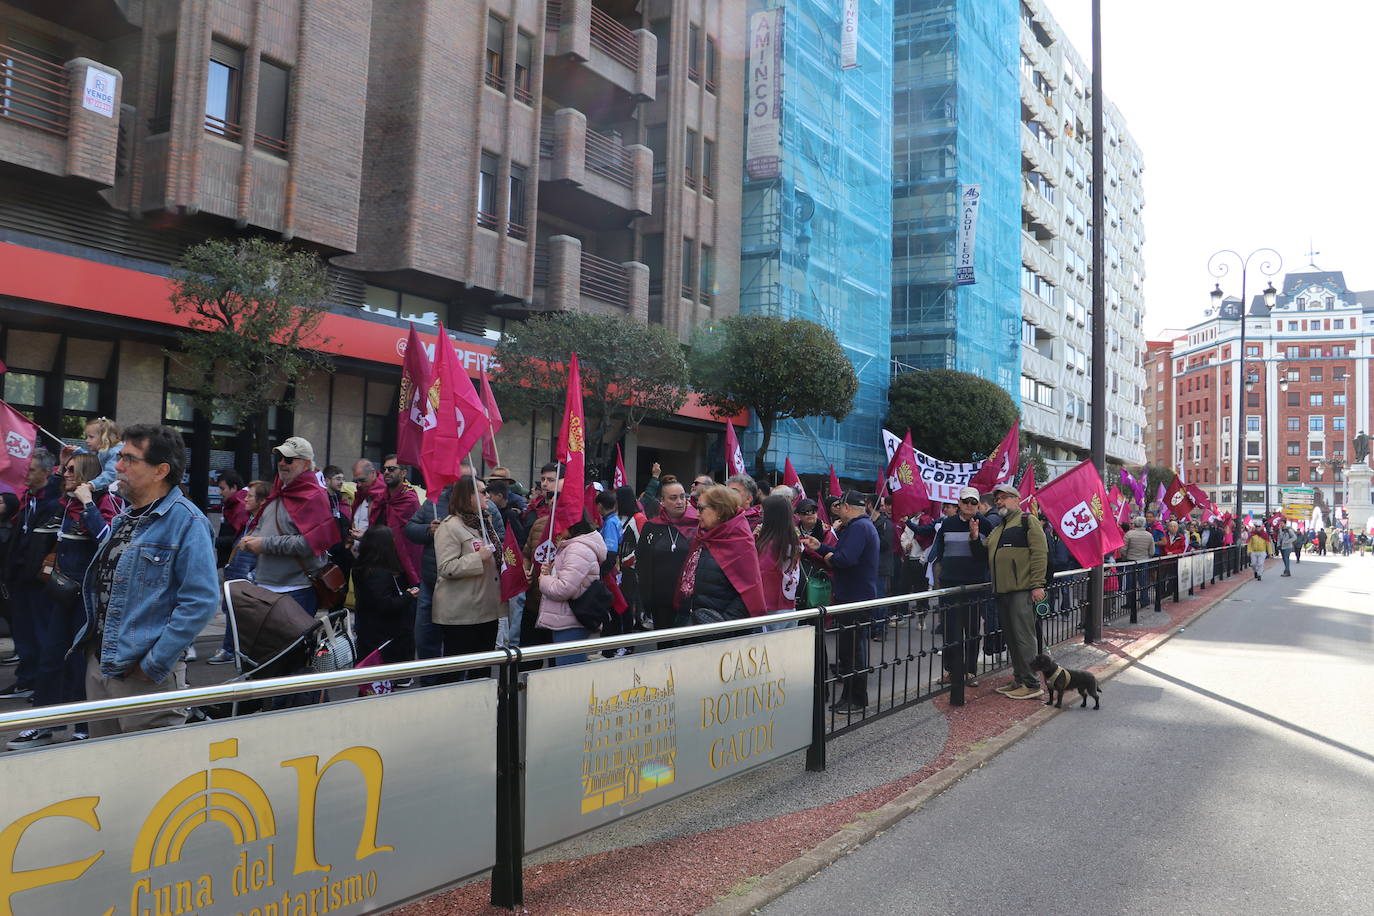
(382, 611)
(886, 557)
(971, 570)
(659, 556)
(29, 548)
(714, 598)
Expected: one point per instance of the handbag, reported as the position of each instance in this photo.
(329, 582)
(820, 591)
(593, 607)
(61, 589)
(49, 564)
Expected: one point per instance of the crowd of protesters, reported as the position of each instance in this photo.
(110, 572)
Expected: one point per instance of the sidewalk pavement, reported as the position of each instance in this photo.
(732, 848)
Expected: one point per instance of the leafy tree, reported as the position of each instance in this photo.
(630, 372)
(781, 368)
(1158, 474)
(1035, 459)
(254, 309)
(952, 415)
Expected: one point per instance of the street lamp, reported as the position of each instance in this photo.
(1218, 267)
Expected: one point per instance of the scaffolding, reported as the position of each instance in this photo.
(816, 241)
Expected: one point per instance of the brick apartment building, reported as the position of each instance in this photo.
(1307, 369)
(466, 162)
(1158, 394)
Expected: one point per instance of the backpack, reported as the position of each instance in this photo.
(593, 608)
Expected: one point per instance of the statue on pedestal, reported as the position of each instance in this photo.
(1361, 447)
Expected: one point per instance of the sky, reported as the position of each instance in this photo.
(1254, 122)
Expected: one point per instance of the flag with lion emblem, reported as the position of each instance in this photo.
(904, 482)
(1076, 505)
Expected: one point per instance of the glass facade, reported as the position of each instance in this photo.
(956, 117)
(816, 240)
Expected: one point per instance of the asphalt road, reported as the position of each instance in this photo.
(1232, 771)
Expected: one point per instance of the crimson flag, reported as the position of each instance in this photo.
(460, 418)
(1200, 499)
(790, 479)
(416, 415)
(1075, 504)
(1177, 499)
(1000, 466)
(513, 579)
(489, 453)
(21, 436)
(835, 489)
(375, 688)
(620, 479)
(1121, 507)
(1027, 491)
(572, 454)
(734, 458)
(904, 481)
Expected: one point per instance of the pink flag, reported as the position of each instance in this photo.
(620, 478)
(416, 414)
(20, 435)
(835, 489)
(373, 659)
(1075, 505)
(513, 579)
(1027, 490)
(460, 417)
(790, 479)
(1000, 466)
(572, 454)
(489, 454)
(904, 481)
(734, 458)
(1163, 506)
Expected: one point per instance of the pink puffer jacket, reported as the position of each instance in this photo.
(577, 564)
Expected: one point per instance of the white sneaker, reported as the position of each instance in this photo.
(191, 653)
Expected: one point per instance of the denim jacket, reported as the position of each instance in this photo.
(165, 590)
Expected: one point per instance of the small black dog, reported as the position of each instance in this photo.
(1061, 679)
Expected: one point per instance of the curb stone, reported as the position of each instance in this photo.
(756, 892)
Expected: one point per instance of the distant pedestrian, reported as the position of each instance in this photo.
(1258, 546)
(1287, 540)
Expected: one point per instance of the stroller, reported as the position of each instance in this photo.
(274, 636)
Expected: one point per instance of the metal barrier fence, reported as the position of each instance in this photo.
(421, 789)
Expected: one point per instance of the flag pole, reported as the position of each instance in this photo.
(482, 516)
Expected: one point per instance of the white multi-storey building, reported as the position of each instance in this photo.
(1056, 256)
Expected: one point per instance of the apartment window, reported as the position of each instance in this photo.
(689, 268)
(1292, 352)
(1314, 400)
(1294, 472)
(1315, 374)
(524, 57)
(1027, 333)
(708, 167)
(694, 53)
(1252, 400)
(1316, 424)
(1292, 375)
(1338, 400)
(1252, 449)
(1252, 424)
(395, 304)
(712, 65)
(274, 83)
(516, 227)
(222, 91)
(496, 52)
(1294, 399)
(1337, 373)
(657, 140)
(1294, 448)
(1337, 424)
(708, 274)
(1252, 474)
(1316, 448)
(652, 257)
(161, 120)
(486, 190)
(662, 31)
(1295, 424)
(1251, 350)
(1338, 350)
(690, 158)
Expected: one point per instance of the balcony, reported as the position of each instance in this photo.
(59, 118)
(567, 279)
(591, 177)
(595, 62)
(1043, 214)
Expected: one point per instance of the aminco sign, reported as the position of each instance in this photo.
(327, 809)
(763, 139)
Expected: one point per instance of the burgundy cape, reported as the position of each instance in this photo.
(308, 505)
(733, 548)
(233, 510)
(686, 525)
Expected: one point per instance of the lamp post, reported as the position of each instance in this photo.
(1218, 267)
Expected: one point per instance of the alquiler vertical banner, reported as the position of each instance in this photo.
(763, 140)
(968, 229)
(849, 36)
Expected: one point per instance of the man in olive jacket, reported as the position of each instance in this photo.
(1018, 557)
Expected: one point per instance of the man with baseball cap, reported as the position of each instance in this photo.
(1018, 557)
(295, 526)
(854, 565)
(963, 560)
